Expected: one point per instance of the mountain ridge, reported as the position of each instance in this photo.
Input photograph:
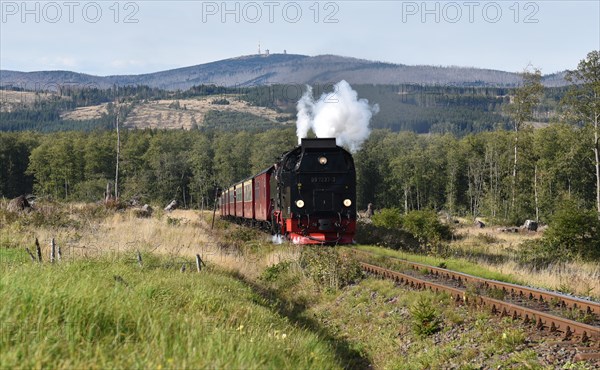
(263, 69)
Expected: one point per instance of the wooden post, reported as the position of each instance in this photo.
(107, 194)
(52, 250)
(59, 253)
(199, 263)
(30, 254)
(214, 208)
(182, 268)
(38, 250)
(118, 147)
(139, 258)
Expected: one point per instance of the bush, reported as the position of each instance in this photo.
(389, 218)
(425, 318)
(222, 101)
(397, 239)
(417, 230)
(575, 232)
(172, 221)
(426, 227)
(572, 233)
(330, 268)
(273, 272)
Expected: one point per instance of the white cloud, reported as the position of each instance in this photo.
(60, 62)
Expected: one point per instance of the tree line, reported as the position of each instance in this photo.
(471, 176)
(155, 165)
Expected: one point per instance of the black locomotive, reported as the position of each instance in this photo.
(308, 196)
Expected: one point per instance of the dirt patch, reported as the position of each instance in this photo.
(11, 100)
(174, 114)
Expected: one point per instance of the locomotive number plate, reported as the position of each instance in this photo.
(322, 179)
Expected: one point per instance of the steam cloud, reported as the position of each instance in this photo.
(339, 114)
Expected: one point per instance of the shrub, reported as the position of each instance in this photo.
(425, 318)
(222, 101)
(329, 268)
(172, 221)
(487, 238)
(397, 239)
(426, 227)
(244, 234)
(389, 218)
(573, 233)
(274, 272)
(46, 214)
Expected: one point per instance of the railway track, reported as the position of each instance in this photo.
(556, 299)
(531, 305)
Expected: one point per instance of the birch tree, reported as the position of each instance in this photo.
(521, 111)
(583, 101)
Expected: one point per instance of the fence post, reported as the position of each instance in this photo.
(215, 208)
(199, 263)
(30, 254)
(52, 250)
(182, 268)
(38, 250)
(59, 253)
(139, 258)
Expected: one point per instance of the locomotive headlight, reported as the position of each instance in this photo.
(300, 203)
(323, 160)
(347, 202)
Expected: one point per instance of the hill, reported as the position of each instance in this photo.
(422, 109)
(176, 113)
(257, 70)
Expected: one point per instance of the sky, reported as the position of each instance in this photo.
(134, 37)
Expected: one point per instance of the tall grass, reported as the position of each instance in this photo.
(110, 313)
(492, 254)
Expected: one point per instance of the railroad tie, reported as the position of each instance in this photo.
(568, 333)
(540, 324)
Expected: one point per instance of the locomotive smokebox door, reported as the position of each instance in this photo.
(323, 200)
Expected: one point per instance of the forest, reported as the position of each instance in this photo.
(421, 109)
(471, 175)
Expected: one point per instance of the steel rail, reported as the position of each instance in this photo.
(542, 320)
(557, 299)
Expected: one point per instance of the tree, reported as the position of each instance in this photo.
(267, 147)
(200, 162)
(15, 149)
(574, 232)
(58, 165)
(521, 109)
(583, 101)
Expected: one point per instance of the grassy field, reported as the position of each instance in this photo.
(454, 264)
(255, 305)
(494, 254)
(110, 313)
(496, 251)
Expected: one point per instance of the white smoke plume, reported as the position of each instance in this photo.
(339, 114)
(305, 110)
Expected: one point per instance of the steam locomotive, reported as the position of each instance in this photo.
(308, 196)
